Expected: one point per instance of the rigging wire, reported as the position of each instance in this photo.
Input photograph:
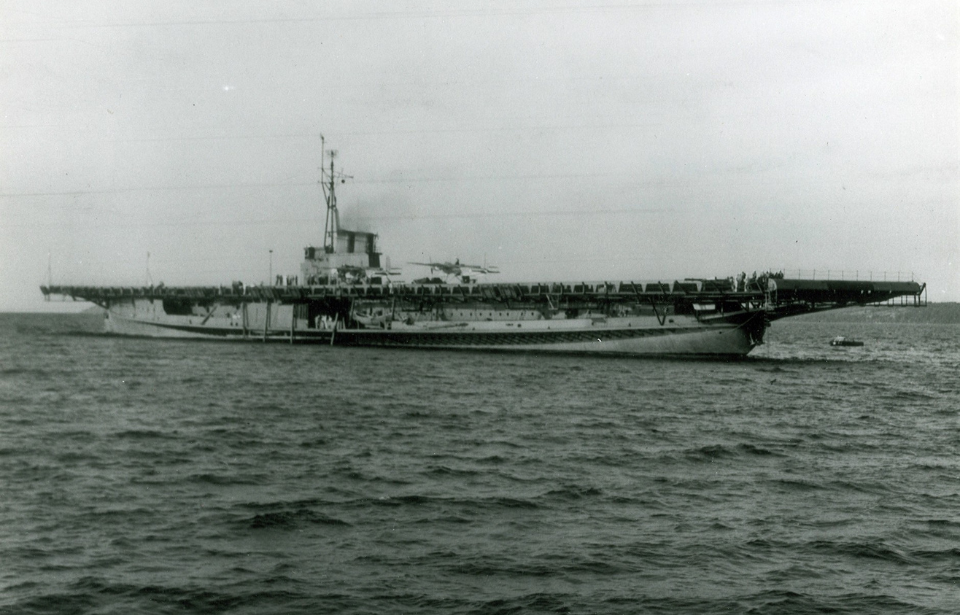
(486, 12)
(367, 218)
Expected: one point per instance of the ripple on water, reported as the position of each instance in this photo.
(170, 477)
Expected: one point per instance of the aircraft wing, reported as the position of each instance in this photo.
(444, 267)
(480, 269)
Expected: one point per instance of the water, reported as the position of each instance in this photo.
(152, 476)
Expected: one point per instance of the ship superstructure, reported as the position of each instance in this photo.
(345, 255)
(345, 296)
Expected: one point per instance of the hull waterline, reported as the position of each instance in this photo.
(623, 337)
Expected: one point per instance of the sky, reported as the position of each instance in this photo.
(180, 141)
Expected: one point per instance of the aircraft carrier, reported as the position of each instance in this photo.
(345, 296)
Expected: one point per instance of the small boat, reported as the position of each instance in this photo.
(842, 341)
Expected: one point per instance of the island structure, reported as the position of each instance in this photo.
(345, 296)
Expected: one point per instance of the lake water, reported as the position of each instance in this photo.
(160, 476)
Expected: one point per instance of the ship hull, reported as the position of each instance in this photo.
(733, 336)
(712, 341)
(345, 297)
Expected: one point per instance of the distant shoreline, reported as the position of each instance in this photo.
(932, 314)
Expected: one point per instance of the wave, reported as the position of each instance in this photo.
(950, 555)
(448, 471)
(145, 434)
(871, 488)
(863, 550)
(786, 602)
(93, 596)
(908, 395)
(314, 443)
(774, 602)
(36, 372)
(492, 460)
(752, 449)
(709, 452)
(577, 486)
(293, 519)
(302, 503)
(473, 504)
(796, 484)
(90, 592)
(573, 492)
(216, 479)
(720, 451)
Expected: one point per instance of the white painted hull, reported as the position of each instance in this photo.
(681, 336)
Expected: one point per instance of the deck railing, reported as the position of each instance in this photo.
(849, 275)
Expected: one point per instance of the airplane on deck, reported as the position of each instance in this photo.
(352, 273)
(463, 271)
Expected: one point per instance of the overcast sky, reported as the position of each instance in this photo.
(557, 139)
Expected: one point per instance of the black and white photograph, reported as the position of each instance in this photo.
(479, 307)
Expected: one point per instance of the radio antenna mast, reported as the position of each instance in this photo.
(46, 296)
(149, 277)
(332, 225)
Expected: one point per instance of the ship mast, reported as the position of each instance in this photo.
(332, 225)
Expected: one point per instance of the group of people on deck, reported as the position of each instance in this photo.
(744, 284)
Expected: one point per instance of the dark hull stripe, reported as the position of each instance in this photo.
(380, 337)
